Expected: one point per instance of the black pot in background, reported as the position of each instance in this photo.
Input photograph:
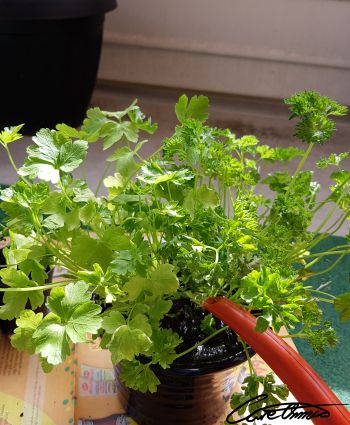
(50, 54)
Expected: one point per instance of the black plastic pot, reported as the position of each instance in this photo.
(183, 397)
(50, 54)
(196, 389)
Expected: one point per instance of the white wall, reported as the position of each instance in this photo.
(266, 48)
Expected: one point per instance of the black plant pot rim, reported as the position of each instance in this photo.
(25, 10)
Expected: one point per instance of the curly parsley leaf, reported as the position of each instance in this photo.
(272, 392)
(314, 111)
(165, 342)
(278, 299)
(322, 338)
(333, 159)
(278, 154)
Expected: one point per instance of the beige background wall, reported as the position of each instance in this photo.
(265, 48)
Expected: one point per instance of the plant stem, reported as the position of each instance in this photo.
(321, 204)
(325, 300)
(250, 364)
(35, 288)
(329, 214)
(102, 178)
(328, 269)
(293, 336)
(14, 165)
(299, 167)
(321, 292)
(330, 252)
(319, 238)
(202, 342)
(323, 254)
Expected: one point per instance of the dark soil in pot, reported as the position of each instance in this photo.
(196, 389)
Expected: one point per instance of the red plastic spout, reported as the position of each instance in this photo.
(303, 382)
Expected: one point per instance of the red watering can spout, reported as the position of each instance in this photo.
(304, 383)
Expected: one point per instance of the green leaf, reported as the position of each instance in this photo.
(200, 197)
(70, 132)
(15, 302)
(16, 256)
(112, 132)
(51, 340)
(35, 270)
(135, 286)
(126, 343)
(116, 239)
(27, 196)
(333, 159)
(322, 338)
(113, 320)
(27, 323)
(197, 108)
(94, 121)
(181, 108)
(246, 143)
(314, 110)
(139, 376)
(18, 218)
(342, 303)
(116, 181)
(83, 195)
(54, 221)
(73, 316)
(251, 385)
(10, 134)
(45, 365)
(153, 173)
(163, 280)
(134, 260)
(279, 154)
(86, 251)
(87, 212)
(83, 319)
(262, 324)
(140, 321)
(165, 342)
(72, 155)
(158, 310)
(72, 219)
(49, 156)
(125, 163)
(63, 301)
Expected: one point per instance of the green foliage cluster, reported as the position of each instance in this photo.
(186, 222)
